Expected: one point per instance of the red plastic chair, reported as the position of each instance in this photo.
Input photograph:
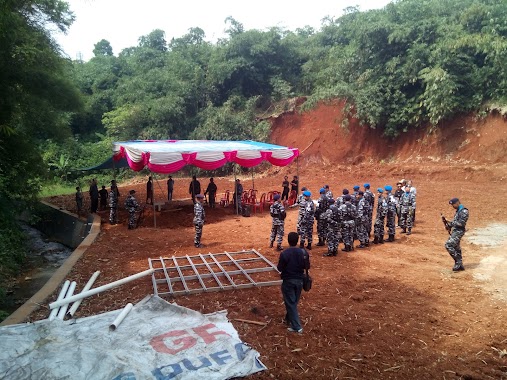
(292, 198)
(225, 200)
(260, 205)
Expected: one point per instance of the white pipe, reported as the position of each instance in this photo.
(119, 319)
(88, 285)
(94, 291)
(70, 293)
(65, 287)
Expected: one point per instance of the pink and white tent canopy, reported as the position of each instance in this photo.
(169, 156)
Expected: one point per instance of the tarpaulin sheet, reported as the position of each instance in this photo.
(157, 340)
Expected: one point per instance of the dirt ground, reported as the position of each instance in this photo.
(393, 311)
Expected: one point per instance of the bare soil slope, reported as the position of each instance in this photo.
(393, 311)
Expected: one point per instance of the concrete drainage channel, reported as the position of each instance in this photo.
(492, 268)
(70, 230)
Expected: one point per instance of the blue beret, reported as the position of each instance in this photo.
(345, 191)
(356, 187)
(322, 190)
(367, 185)
(307, 193)
(380, 190)
(388, 188)
(453, 201)
(347, 197)
(276, 197)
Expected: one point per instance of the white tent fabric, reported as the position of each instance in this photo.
(168, 156)
(157, 340)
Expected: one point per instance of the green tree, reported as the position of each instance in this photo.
(103, 47)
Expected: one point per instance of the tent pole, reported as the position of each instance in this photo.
(253, 183)
(235, 190)
(297, 173)
(153, 202)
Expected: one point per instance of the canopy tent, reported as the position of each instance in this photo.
(110, 163)
(169, 156)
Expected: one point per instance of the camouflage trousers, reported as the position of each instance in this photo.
(198, 234)
(277, 231)
(306, 232)
(322, 228)
(391, 223)
(406, 220)
(453, 245)
(362, 233)
(378, 227)
(347, 232)
(333, 236)
(113, 215)
(132, 220)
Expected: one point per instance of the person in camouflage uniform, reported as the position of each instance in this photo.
(321, 219)
(278, 214)
(301, 203)
(113, 204)
(306, 221)
(391, 213)
(199, 219)
(348, 216)
(457, 230)
(378, 228)
(362, 221)
(370, 198)
(332, 215)
(354, 198)
(407, 205)
(329, 193)
(398, 194)
(132, 207)
(340, 200)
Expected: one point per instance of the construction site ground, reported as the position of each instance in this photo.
(392, 311)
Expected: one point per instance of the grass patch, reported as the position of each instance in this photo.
(52, 189)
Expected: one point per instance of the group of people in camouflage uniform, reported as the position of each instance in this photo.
(349, 217)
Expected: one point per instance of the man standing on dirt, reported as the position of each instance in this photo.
(457, 228)
(292, 263)
(370, 198)
(199, 219)
(278, 215)
(285, 188)
(212, 191)
(94, 196)
(307, 214)
(132, 207)
(149, 191)
(398, 194)
(391, 213)
(170, 188)
(194, 188)
(113, 205)
(378, 228)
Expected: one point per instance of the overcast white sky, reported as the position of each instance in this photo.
(122, 22)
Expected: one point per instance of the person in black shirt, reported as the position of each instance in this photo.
(103, 197)
(194, 188)
(285, 186)
(212, 191)
(94, 196)
(149, 191)
(292, 263)
(294, 185)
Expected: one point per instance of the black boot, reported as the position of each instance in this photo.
(375, 240)
(328, 253)
(409, 231)
(279, 247)
(458, 266)
(321, 242)
(381, 239)
(335, 252)
(391, 238)
(361, 246)
(309, 246)
(271, 244)
(403, 230)
(367, 244)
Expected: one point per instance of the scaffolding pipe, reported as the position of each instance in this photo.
(70, 293)
(87, 287)
(119, 319)
(65, 287)
(94, 291)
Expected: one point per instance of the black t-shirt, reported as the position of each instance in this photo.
(294, 185)
(292, 263)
